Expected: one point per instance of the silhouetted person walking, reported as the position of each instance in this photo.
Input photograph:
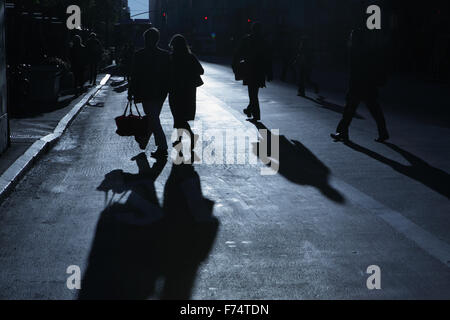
(253, 62)
(304, 63)
(95, 52)
(78, 62)
(288, 54)
(126, 60)
(149, 85)
(367, 73)
(185, 75)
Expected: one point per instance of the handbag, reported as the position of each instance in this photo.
(241, 70)
(131, 124)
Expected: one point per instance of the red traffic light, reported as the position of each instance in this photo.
(206, 18)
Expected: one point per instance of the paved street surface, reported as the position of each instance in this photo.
(310, 231)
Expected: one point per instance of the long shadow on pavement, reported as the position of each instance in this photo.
(419, 170)
(299, 165)
(140, 244)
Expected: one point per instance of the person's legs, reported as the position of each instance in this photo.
(153, 109)
(248, 110)
(378, 115)
(301, 82)
(78, 78)
(253, 92)
(349, 112)
(91, 72)
(94, 73)
(310, 81)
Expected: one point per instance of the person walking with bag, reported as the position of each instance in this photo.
(185, 75)
(149, 85)
(252, 63)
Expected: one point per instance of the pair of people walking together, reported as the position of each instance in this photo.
(156, 74)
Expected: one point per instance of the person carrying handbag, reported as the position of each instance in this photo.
(149, 85)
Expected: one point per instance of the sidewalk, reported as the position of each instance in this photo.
(28, 130)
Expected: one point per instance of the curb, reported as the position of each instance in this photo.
(11, 177)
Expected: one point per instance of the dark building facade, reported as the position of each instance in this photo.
(4, 136)
(418, 35)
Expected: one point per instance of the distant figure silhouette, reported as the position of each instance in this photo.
(95, 52)
(185, 75)
(126, 60)
(149, 85)
(288, 54)
(78, 61)
(253, 63)
(367, 73)
(304, 64)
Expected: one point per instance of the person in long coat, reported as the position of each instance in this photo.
(78, 61)
(185, 77)
(95, 52)
(367, 74)
(252, 62)
(304, 64)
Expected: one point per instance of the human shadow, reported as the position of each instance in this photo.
(142, 250)
(323, 103)
(299, 165)
(419, 170)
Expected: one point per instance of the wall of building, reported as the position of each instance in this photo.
(4, 136)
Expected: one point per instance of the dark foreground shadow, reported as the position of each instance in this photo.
(299, 165)
(144, 251)
(419, 170)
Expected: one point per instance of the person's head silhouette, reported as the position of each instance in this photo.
(179, 45)
(151, 37)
